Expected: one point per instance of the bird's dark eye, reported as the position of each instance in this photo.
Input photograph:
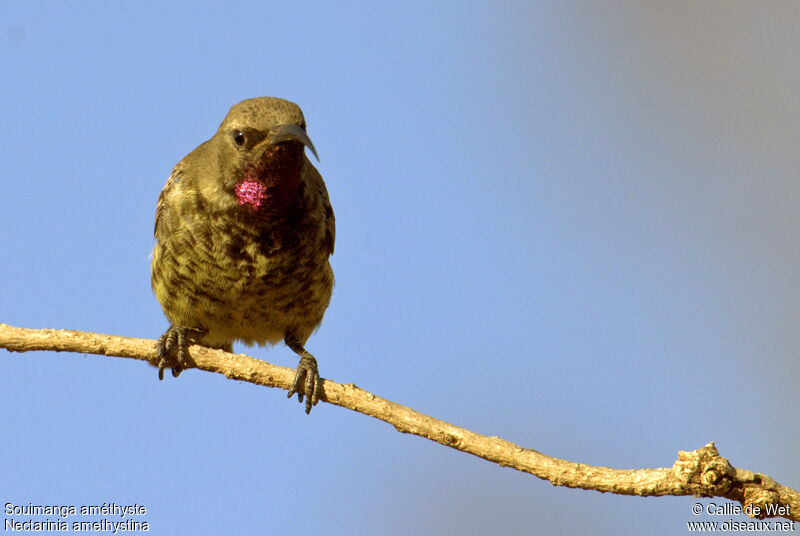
(238, 137)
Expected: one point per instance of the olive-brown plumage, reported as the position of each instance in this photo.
(244, 231)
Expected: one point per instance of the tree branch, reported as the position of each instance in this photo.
(702, 472)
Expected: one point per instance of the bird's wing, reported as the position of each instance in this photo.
(320, 193)
(163, 223)
(330, 220)
(330, 225)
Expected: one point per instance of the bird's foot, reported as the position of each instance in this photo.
(307, 381)
(173, 349)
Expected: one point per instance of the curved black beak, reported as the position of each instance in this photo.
(280, 133)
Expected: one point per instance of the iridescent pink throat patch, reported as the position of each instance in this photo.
(251, 192)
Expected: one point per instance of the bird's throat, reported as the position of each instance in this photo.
(271, 186)
(252, 193)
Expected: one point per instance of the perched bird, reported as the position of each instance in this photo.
(244, 232)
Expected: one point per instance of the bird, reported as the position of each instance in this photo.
(244, 233)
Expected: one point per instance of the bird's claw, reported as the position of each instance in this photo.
(307, 377)
(173, 349)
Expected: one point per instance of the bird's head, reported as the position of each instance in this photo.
(263, 143)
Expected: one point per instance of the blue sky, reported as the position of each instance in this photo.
(571, 225)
